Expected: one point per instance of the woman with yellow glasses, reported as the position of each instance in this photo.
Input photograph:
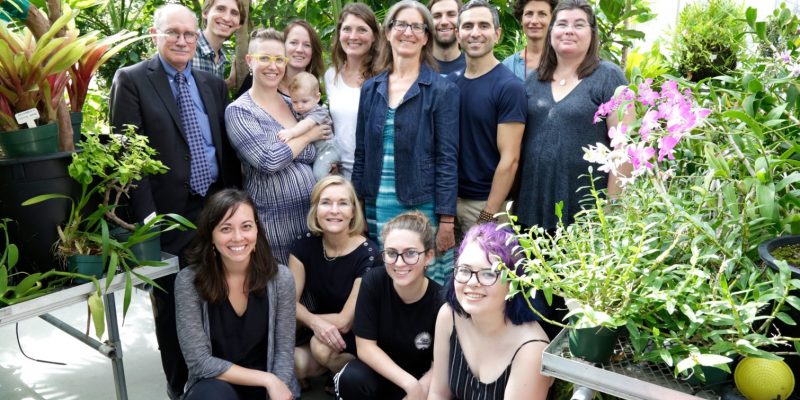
(277, 175)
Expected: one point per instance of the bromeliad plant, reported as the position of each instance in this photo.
(34, 73)
(97, 51)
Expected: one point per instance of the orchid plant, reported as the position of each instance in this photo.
(673, 257)
(667, 117)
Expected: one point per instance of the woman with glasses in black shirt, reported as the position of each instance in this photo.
(395, 317)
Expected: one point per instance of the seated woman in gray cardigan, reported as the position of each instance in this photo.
(235, 308)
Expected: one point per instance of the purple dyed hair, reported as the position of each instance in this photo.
(499, 242)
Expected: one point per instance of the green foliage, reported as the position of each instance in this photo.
(113, 16)
(709, 38)
(613, 20)
(109, 167)
(19, 286)
(778, 33)
(676, 259)
(649, 65)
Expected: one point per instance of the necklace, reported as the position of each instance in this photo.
(325, 254)
(562, 82)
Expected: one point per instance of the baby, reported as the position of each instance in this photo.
(304, 92)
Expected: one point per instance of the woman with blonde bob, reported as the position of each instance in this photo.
(327, 265)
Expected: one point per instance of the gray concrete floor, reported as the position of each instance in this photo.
(87, 374)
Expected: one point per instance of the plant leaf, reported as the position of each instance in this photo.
(44, 197)
(96, 309)
(713, 360)
(685, 364)
(13, 255)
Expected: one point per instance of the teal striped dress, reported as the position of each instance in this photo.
(387, 206)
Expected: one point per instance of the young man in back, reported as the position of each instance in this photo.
(221, 20)
(445, 43)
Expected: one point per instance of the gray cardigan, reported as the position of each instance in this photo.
(191, 314)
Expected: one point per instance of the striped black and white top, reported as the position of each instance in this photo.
(466, 386)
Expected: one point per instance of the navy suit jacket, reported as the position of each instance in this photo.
(141, 96)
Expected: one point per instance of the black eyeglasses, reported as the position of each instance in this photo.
(172, 36)
(485, 276)
(401, 26)
(410, 257)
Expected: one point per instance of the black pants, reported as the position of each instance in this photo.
(173, 242)
(167, 335)
(215, 389)
(357, 381)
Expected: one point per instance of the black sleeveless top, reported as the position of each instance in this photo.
(464, 385)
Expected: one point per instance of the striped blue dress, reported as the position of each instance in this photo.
(279, 183)
(387, 206)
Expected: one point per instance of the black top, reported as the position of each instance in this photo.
(403, 331)
(552, 167)
(457, 66)
(241, 340)
(464, 385)
(328, 283)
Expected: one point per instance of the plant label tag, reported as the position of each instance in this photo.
(28, 117)
(148, 218)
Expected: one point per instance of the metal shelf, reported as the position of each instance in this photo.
(622, 377)
(111, 348)
(76, 294)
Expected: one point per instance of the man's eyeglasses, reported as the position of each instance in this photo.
(485, 276)
(410, 257)
(172, 36)
(265, 59)
(401, 26)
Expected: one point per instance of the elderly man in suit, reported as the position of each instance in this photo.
(181, 111)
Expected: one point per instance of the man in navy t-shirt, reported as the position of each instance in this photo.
(493, 112)
(445, 45)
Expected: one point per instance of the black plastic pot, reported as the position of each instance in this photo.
(30, 142)
(594, 344)
(34, 227)
(713, 375)
(765, 252)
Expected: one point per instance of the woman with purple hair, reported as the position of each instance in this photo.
(486, 346)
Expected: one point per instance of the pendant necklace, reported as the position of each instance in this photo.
(325, 254)
(562, 82)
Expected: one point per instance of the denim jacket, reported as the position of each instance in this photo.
(425, 141)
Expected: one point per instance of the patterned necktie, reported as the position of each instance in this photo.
(200, 178)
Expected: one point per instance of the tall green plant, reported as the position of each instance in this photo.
(614, 20)
(709, 38)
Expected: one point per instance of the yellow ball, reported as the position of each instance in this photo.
(762, 379)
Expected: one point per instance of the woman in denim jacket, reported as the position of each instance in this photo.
(407, 134)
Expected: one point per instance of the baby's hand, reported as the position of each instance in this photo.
(284, 135)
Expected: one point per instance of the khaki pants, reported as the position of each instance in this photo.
(467, 212)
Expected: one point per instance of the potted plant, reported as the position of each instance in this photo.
(704, 191)
(97, 51)
(107, 169)
(33, 76)
(19, 286)
(709, 38)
